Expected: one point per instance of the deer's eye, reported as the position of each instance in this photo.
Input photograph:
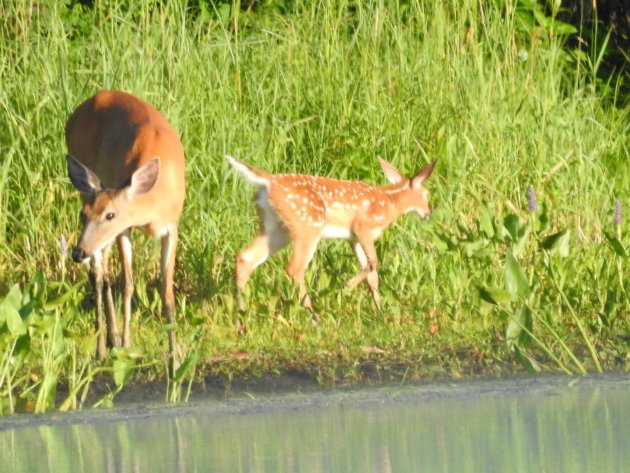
(109, 216)
(82, 217)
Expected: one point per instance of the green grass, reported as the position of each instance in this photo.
(324, 89)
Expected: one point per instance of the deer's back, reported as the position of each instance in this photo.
(114, 133)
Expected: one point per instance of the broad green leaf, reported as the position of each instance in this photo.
(14, 297)
(563, 244)
(474, 246)
(527, 360)
(188, 364)
(526, 18)
(225, 12)
(495, 295)
(48, 389)
(58, 301)
(443, 241)
(518, 247)
(41, 324)
(560, 27)
(22, 348)
(485, 222)
(58, 342)
(543, 218)
(611, 305)
(558, 243)
(512, 224)
(11, 316)
(515, 281)
(501, 233)
(616, 246)
(123, 369)
(541, 18)
(37, 288)
(515, 333)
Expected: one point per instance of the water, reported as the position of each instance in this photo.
(541, 425)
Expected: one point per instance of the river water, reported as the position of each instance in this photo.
(554, 424)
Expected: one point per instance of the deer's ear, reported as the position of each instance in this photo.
(83, 180)
(423, 175)
(391, 173)
(144, 178)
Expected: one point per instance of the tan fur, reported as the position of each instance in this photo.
(114, 134)
(304, 209)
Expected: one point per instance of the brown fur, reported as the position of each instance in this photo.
(115, 135)
(305, 209)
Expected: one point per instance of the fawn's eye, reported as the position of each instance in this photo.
(82, 217)
(109, 216)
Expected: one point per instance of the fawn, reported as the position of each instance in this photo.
(304, 209)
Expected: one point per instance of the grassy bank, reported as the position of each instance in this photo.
(486, 286)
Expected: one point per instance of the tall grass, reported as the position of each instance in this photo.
(324, 88)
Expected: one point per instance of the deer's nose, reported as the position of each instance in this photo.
(78, 254)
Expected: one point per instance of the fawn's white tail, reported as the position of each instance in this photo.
(251, 175)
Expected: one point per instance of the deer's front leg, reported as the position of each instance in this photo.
(124, 250)
(169, 246)
(96, 275)
(303, 250)
(372, 262)
(113, 337)
(363, 261)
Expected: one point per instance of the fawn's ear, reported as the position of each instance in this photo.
(82, 178)
(144, 178)
(391, 173)
(423, 175)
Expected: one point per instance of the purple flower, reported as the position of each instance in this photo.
(617, 212)
(532, 203)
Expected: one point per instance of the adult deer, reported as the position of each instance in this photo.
(304, 209)
(128, 164)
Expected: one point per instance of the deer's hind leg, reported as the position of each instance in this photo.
(273, 237)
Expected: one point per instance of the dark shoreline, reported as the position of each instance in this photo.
(271, 393)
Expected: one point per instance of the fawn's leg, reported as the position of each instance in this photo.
(261, 248)
(363, 261)
(372, 261)
(124, 250)
(303, 250)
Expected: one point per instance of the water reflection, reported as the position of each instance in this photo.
(585, 430)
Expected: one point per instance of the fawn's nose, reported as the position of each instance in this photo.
(78, 254)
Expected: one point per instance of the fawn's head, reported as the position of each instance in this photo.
(106, 213)
(412, 196)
